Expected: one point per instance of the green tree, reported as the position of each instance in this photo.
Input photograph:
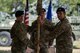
(10, 5)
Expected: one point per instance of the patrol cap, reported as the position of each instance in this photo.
(19, 13)
(60, 9)
(43, 10)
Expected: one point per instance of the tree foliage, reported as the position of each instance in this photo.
(71, 5)
(10, 6)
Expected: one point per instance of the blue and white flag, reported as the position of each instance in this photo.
(49, 12)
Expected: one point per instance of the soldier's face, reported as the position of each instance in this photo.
(20, 18)
(60, 15)
(43, 14)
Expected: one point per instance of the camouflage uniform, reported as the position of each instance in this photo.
(19, 38)
(43, 34)
(73, 36)
(62, 32)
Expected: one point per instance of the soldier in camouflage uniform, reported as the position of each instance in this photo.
(43, 33)
(62, 32)
(19, 34)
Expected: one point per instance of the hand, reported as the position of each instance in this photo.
(48, 46)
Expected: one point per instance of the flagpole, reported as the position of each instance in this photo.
(26, 14)
(39, 9)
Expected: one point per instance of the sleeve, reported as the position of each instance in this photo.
(73, 35)
(50, 42)
(12, 32)
(31, 28)
(48, 25)
(21, 34)
(58, 30)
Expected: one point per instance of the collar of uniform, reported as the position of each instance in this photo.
(17, 21)
(63, 19)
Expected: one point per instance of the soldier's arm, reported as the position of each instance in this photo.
(48, 25)
(58, 30)
(26, 39)
(31, 28)
(21, 34)
(50, 42)
(73, 35)
(12, 32)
